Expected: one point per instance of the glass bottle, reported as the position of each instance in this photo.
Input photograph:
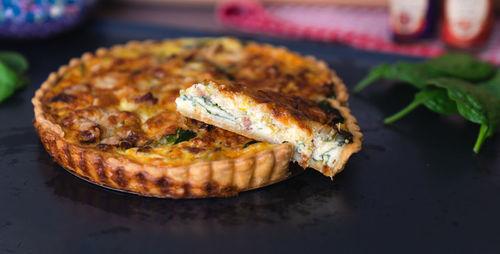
(412, 20)
(467, 24)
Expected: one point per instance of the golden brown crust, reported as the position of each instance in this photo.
(219, 177)
(204, 179)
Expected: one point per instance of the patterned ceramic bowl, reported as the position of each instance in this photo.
(41, 18)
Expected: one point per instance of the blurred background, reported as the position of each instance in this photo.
(198, 14)
(174, 12)
(418, 27)
(423, 28)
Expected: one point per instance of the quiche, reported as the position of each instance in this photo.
(322, 133)
(110, 116)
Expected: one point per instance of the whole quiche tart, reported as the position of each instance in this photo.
(110, 117)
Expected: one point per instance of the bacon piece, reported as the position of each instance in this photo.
(146, 98)
(62, 97)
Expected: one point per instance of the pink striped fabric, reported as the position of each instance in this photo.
(363, 28)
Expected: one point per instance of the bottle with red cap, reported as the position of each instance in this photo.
(467, 24)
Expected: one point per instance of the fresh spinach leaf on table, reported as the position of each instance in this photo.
(474, 104)
(9, 82)
(415, 74)
(434, 99)
(441, 103)
(492, 85)
(449, 84)
(463, 66)
(12, 78)
(457, 65)
(14, 61)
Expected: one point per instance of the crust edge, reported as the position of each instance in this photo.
(357, 137)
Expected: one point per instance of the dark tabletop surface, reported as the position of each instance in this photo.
(416, 187)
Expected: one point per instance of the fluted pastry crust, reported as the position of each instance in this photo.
(203, 179)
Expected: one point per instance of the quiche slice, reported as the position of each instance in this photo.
(110, 117)
(324, 134)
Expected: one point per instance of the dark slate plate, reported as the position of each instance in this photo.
(416, 187)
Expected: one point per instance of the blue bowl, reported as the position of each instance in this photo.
(41, 18)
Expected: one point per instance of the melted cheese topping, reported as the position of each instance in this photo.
(122, 101)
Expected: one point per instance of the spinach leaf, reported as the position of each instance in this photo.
(326, 107)
(441, 103)
(449, 84)
(474, 104)
(457, 65)
(463, 66)
(492, 85)
(14, 61)
(422, 97)
(415, 74)
(22, 81)
(331, 112)
(12, 66)
(9, 82)
(180, 135)
(375, 74)
(250, 143)
(485, 131)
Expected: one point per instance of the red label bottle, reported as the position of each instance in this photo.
(467, 24)
(412, 20)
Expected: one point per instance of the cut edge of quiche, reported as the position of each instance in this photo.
(324, 134)
(220, 178)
